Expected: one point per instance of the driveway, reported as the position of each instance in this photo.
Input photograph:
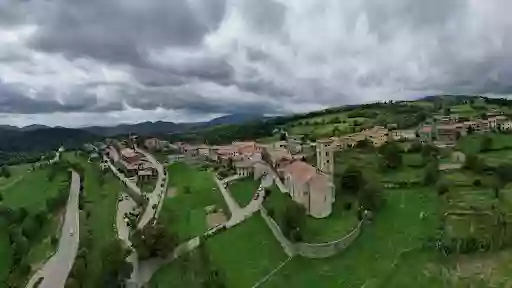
(55, 271)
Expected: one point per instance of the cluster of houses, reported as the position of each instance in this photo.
(440, 130)
(132, 163)
(448, 129)
(311, 186)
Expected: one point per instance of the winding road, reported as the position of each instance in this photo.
(156, 197)
(55, 271)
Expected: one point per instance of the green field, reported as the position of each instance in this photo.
(31, 193)
(185, 213)
(17, 173)
(243, 254)
(367, 263)
(471, 143)
(463, 110)
(243, 190)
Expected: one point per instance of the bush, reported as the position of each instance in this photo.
(442, 188)
(477, 183)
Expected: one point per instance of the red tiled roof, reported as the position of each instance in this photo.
(300, 171)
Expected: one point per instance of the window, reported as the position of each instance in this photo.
(326, 154)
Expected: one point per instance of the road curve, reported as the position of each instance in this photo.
(156, 197)
(55, 271)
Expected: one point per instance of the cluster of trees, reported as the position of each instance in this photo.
(197, 270)
(25, 229)
(15, 158)
(391, 155)
(291, 219)
(227, 133)
(154, 241)
(353, 184)
(113, 266)
(5, 172)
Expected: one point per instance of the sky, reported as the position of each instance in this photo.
(75, 63)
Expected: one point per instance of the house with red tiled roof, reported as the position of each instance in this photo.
(309, 187)
(426, 133)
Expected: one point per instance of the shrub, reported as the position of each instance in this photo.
(477, 183)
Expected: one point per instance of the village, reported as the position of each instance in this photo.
(217, 187)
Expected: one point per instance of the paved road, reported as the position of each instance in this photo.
(123, 233)
(56, 269)
(157, 194)
(239, 214)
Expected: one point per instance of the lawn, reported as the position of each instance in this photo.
(337, 225)
(244, 254)
(185, 213)
(367, 263)
(243, 190)
(148, 186)
(403, 174)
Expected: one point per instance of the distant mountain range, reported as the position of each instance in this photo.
(145, 128)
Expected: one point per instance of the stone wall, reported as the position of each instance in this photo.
(287, 245)
(311, 250)
(328, 249)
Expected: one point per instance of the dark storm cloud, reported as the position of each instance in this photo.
(223, 56)
(120, 31)
(14, 101)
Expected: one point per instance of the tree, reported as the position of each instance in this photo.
(113, 260)
(30, 228)
(365, 143)
(282, 137)
(351, 180)
(416, 147)
(370, 196)
(391, 153)
(504, 173)
(442, 188)
(486, 143)
(429, 150)
(293, 220)
(474, 163)
(5, 172)
(431, 173)
(154, 241)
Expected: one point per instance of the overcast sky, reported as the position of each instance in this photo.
(89, 62)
